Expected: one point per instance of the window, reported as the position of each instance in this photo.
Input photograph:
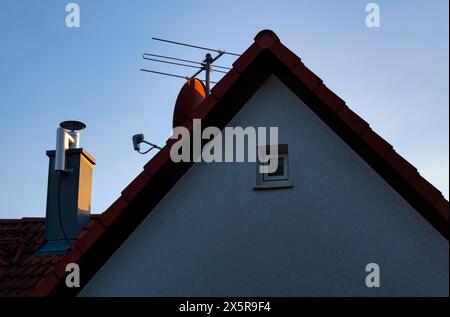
(278, 178)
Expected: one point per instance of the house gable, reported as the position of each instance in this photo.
(214, 235)
(266, 56)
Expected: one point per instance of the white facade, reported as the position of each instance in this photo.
(214, 235)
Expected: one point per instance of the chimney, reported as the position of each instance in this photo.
(68, 189)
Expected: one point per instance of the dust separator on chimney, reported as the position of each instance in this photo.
(69, 189)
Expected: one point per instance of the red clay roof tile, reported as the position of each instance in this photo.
(88, 236)
(285, 55)
(45, 286)
(378, 144)
(71, 257)
(247, 58)
(355, 122)
(130, 192)
(442, 206)
(24, 270)
(329, 98)
(429, 192)
(225, 83)
(306, 76)
(266, 38)
(157, 161)
(205, 107)
(110, 215)
(402, 166)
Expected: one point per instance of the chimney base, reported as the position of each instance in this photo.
(68, 200)
(54, 247)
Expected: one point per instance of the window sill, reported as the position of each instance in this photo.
(273, 185)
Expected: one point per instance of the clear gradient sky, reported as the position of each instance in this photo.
(395, 77)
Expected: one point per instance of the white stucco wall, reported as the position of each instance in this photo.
(213, 235)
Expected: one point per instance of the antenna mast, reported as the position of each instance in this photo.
(208, 61)
(206, 65)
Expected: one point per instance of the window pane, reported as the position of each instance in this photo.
(280, 168)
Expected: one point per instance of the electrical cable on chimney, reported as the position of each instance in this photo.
(60, 175)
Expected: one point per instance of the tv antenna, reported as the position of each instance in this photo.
(206, 65)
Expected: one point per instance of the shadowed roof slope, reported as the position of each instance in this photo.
(21, 271)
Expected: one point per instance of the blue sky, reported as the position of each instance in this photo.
(396, 77)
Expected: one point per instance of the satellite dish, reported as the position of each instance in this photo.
(190, 96)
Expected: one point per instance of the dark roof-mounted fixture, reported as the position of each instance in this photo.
(138, 139)
(72, 125)
(67, 137)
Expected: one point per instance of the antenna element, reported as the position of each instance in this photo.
(206, 65)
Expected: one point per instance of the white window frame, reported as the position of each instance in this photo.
(265, 181)
(285, 176)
